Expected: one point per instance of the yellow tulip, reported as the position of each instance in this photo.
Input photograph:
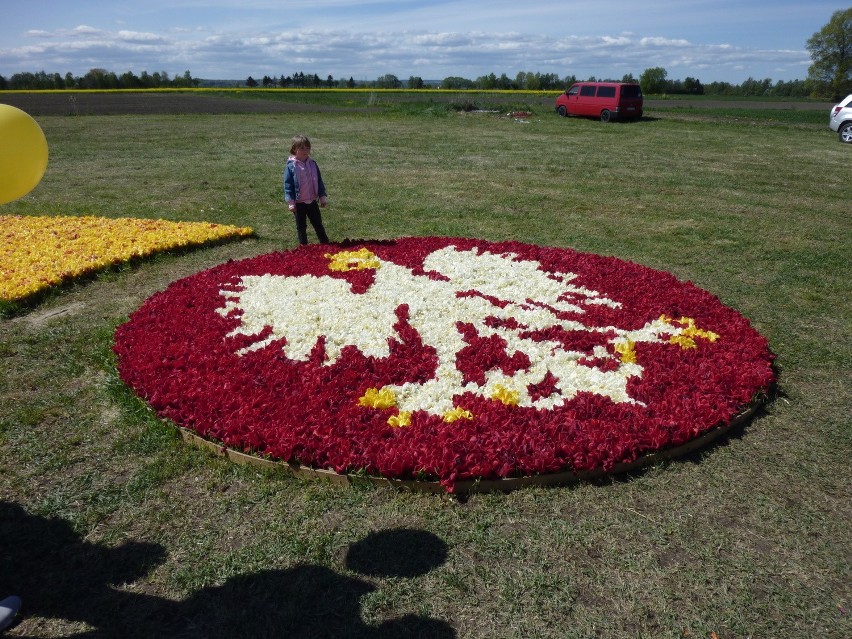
(508, 397)
(375, 398)
(456, 414)
(401, 420)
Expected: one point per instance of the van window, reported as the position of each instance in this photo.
(631, 91)
(588, 90)
(573, 90)
(606, 92)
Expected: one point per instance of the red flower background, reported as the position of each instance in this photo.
(176, 353)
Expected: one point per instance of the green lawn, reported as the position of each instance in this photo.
(111, 526)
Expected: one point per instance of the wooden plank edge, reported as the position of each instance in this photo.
(472, 486)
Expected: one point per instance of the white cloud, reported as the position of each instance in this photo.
(86, 30)
(432, 54)
(663, 42)
(135, 36)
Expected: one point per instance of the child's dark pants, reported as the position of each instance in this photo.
(309, 211)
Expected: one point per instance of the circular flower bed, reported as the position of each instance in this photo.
(443, 359)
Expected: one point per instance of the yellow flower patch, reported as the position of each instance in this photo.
(686, 338)
(378, 398)
(39, 252)
(402, 420)
(456, 414)
(352, 260)
(505, 395)
(626, 351)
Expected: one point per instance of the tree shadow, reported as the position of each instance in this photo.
(61, 576)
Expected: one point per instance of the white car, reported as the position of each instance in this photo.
(840, 119)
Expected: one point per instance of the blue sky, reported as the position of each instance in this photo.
(722, 40)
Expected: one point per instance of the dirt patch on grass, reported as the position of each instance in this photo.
(148, 103)
(41, 318)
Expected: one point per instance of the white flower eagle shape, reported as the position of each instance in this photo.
(476, 287)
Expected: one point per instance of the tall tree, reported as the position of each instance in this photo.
(456, 82)
(388, 81)
(653, 80)
(831, 51)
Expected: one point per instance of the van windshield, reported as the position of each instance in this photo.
(631, 91)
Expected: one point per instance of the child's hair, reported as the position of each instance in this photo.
(299, 141)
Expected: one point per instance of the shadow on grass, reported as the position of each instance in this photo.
(61, 576)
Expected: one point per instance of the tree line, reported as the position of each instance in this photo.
(97, 79)
(654, 81)
(300, 80)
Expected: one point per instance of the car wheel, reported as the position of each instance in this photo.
(561, 110)
(845, 133)
(605, 115)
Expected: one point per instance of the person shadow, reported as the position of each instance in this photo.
(61, 576)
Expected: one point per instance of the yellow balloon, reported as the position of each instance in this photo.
(23, 153)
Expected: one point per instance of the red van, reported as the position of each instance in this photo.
(604, 100)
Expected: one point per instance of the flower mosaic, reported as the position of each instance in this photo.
(38, 252)
(443, 359)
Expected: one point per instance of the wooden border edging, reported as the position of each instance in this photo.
(470, 486)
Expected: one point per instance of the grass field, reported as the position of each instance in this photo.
(112, 527)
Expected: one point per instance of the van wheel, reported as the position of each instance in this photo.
(605, 115)
(561, 110)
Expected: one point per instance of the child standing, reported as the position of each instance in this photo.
(303, 186)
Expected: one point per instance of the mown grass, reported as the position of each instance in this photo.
(745, 539)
